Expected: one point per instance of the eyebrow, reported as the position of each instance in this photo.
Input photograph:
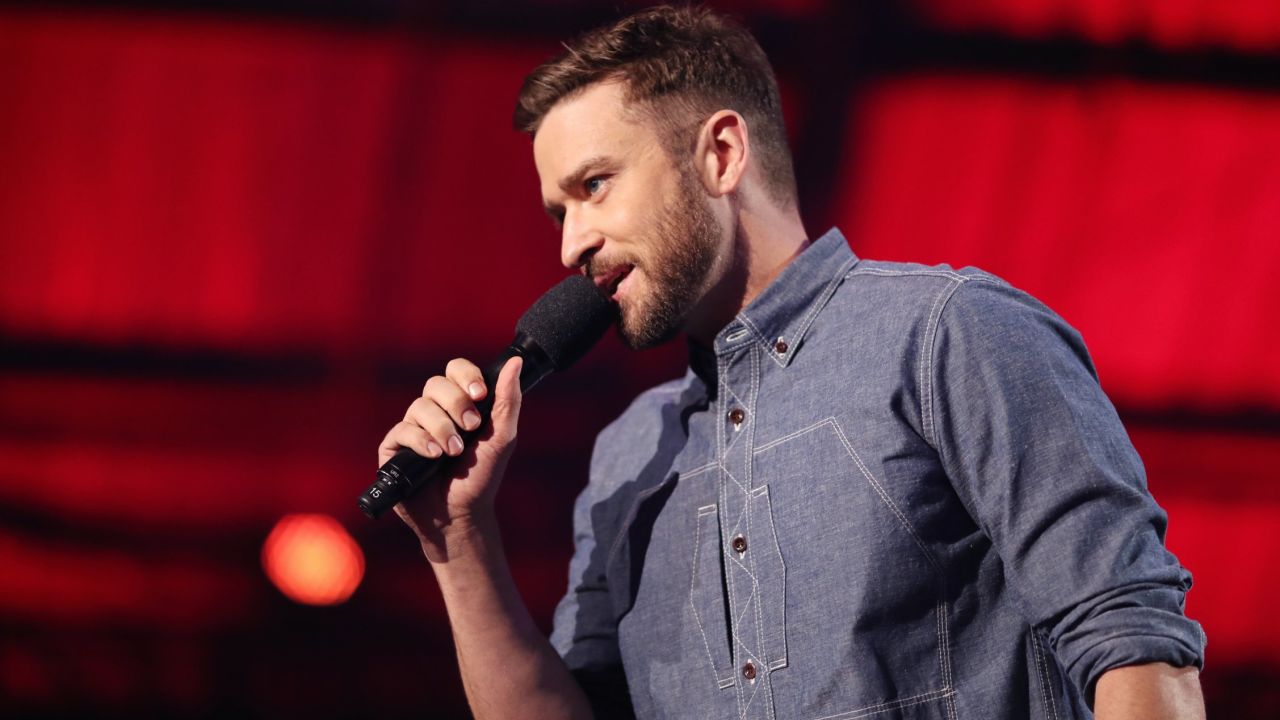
(570, 182)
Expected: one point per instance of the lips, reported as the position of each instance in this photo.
(607, 282)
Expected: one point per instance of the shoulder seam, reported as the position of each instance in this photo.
(886, 272)
(925, 364)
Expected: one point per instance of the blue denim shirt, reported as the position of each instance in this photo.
(889, 490)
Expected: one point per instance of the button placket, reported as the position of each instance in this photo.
(739, 383)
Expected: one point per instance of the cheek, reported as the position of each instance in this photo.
(639, 212)
(626, 220)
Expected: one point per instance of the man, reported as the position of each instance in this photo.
(881, 490)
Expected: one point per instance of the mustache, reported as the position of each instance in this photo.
(597, 267)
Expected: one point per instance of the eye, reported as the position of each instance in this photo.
(593, 185)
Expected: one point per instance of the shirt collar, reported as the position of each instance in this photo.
(779, 316)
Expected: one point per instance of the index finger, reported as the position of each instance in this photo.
(466, 375)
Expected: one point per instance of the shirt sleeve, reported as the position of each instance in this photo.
(585, 629)
(1037, 453)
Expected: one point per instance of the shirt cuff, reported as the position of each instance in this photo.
(1178, 641)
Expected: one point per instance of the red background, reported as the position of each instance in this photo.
(233, 243)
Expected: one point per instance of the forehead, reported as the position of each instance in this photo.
(595, 122)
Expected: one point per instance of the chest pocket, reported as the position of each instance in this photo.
(867, 615)
(677, 577)
(737, 590)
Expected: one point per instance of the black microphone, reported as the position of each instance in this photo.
(552, 334)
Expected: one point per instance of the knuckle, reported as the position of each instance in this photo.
(507, 406)
(415, 439)
(433, 385)
(458, 405)
(403, 431)
(442, 428)
(460, 365)
(417, 409)
(443, 390)
(453, 402)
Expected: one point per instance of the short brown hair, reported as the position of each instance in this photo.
(681, 64)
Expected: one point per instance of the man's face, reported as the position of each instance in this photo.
(633, 218)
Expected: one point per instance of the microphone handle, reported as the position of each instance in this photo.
(407, 471)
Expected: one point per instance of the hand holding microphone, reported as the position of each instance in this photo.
(458, 436)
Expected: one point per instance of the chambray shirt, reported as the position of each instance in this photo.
(888, 491)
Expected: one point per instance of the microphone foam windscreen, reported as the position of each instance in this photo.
(568, 320)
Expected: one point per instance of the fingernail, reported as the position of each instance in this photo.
(475, 389)
(471, 419)
(455, 445)
(433, 450)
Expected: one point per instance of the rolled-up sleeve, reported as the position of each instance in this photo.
(1037, 453)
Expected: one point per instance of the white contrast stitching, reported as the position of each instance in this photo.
(803, 328)
(1042, 664)
(699, 470)
(697, 552)
(756, 371)
(900, 273)
(925, 382)
(835, 424)
(792, 436)
(1035, 651)
(944, 650)
(810, 314)
(891, 705)
(740, 486)
(924, 367)
(773, 532)
(754, 330)
(723, 490)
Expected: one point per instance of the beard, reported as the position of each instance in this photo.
(682, 254)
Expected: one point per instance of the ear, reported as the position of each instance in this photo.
(722, 152)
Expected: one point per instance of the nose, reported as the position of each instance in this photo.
(578, 239)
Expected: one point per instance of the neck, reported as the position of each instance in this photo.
(766, 240)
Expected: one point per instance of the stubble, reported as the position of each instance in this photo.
(684, 241)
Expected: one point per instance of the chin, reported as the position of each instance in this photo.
(634, 342)
(640, 330)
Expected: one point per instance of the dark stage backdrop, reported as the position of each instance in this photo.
(234, 242)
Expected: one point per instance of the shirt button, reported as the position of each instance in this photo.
(749, 670)
(780, 346)
(736, 416)
(739, 544)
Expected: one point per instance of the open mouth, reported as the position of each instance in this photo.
(609, 281)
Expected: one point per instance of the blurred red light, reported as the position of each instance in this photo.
(312, 559)
(1246, 25)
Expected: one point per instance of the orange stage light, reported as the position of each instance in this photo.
(312, 559)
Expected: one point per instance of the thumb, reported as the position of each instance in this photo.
(507, 399)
